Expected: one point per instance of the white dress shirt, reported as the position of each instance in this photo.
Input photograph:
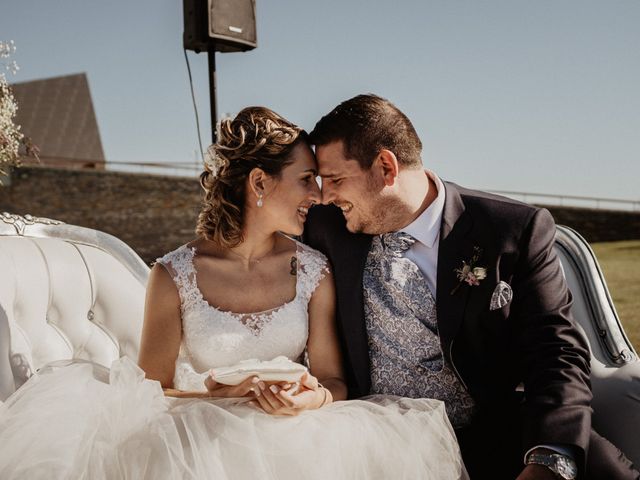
(426, 230)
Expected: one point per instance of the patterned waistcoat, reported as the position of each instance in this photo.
(404, 346)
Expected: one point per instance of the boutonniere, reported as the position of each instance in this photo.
(470, 273)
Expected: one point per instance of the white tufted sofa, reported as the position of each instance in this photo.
(65, 292)
(615, 367)
(72, 292)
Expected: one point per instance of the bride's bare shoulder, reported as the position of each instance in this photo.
(161, 286)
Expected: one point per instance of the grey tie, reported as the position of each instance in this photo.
(396, 243)
(400, 312)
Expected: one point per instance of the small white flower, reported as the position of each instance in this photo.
(215, 161)
(480, 273)
(7, 49)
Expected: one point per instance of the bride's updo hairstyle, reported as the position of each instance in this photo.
(256, 138)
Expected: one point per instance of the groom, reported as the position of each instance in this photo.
(454, 294)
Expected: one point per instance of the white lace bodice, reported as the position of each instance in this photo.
(212, 337)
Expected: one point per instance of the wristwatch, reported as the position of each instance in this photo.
(563, 466)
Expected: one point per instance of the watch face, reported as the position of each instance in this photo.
(566, 468)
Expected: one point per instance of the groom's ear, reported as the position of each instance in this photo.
(388, 166)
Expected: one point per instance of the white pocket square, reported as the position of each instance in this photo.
(502, 295)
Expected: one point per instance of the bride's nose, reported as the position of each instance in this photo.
(314, 194)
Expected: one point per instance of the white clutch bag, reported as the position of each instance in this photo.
(280, 369)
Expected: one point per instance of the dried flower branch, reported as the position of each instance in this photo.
(11, 138)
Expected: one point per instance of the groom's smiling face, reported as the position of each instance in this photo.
(356, 191)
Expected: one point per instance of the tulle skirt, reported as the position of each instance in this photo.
(81, 420)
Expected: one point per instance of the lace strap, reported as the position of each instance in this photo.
(312, 268)
(179, 264)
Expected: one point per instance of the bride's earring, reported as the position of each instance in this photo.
(259, 203)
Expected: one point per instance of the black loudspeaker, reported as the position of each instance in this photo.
(228, 25)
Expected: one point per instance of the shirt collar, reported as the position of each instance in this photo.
(426, 227)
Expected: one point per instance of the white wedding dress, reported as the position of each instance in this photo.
(79, 420)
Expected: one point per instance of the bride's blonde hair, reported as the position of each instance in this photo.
(256, 138)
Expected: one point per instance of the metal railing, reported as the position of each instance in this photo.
(157, 168)
(597, 203)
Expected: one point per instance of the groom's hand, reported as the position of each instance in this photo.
(536, 472)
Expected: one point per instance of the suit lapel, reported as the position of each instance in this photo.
(348, 278)
(454, 248)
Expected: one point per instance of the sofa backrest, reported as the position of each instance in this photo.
(592, 306)
(65, 292)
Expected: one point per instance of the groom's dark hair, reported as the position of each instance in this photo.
(367, 124)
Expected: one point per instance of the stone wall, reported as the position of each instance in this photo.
(151, 213)
(155, 214)
(599, 225)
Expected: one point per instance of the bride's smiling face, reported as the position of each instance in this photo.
(287, 198)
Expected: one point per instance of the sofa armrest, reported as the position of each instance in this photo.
(616, 406)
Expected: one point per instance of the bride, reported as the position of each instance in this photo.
(242, 290)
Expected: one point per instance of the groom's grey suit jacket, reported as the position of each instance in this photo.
(531, 341)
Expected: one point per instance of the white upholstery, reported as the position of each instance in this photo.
(70, 292)
(63, 299)
(616, 388)
(615, 368)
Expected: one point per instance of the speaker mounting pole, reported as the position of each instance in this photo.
(218, 26)
(213, 97)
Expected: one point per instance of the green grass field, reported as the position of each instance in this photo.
(620, 262)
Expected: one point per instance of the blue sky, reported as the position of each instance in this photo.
(517, 95)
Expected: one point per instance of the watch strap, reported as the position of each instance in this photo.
(550, 460)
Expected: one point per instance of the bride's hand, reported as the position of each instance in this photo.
(243, 389)
(306, 395)
(247, 388)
